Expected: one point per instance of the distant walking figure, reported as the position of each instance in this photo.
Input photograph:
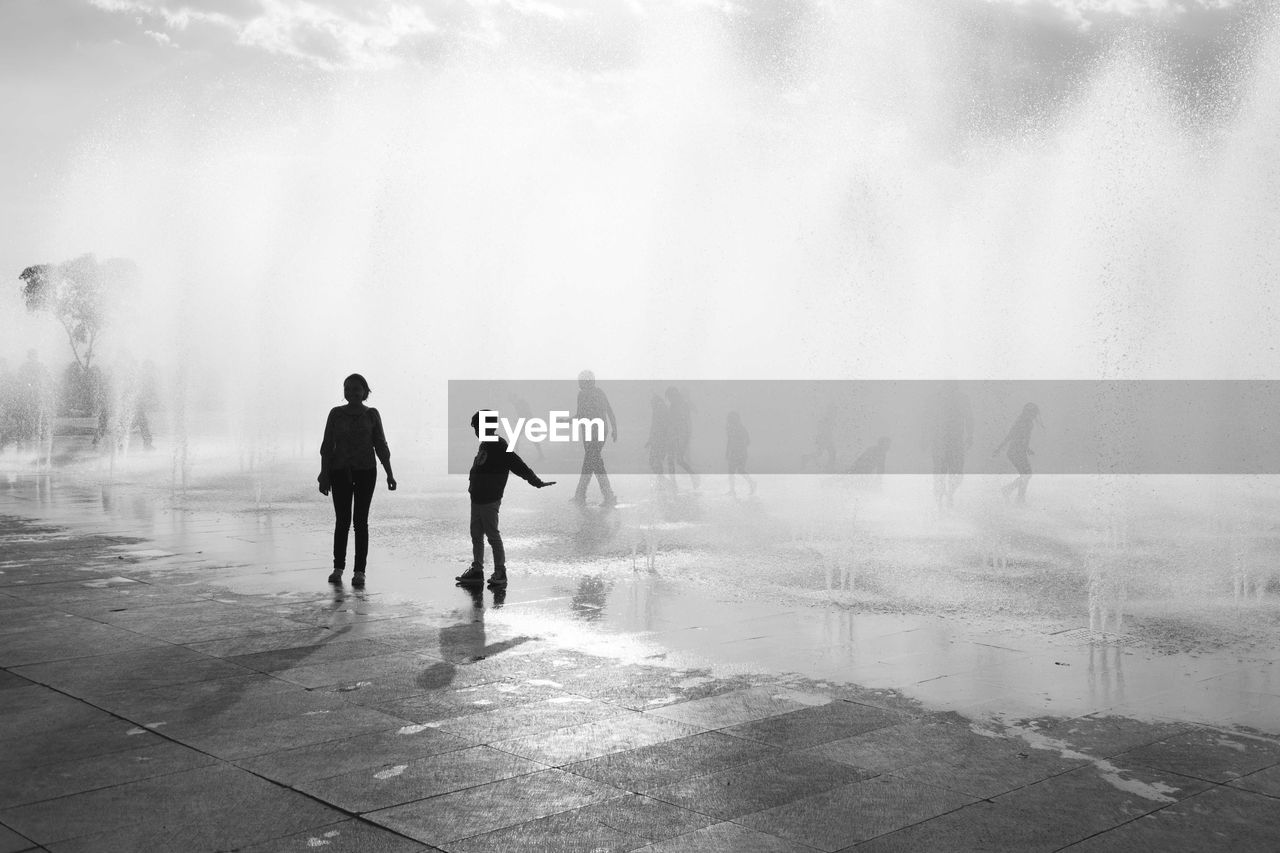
(592, 403)
(949, 435)
(487, 484)
(1018, 442)
(736, 442)
(659, 437)
(353, 436)
(681, 421)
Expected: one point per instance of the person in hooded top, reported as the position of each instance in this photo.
(592, 403)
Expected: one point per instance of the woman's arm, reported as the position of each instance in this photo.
(381, 449)
(326, 455)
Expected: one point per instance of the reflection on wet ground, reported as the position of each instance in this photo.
(816, 666)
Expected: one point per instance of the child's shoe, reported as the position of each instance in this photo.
(475, 574)
(357, 580)
(498, 578)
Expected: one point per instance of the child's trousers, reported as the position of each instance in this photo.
(484, 523)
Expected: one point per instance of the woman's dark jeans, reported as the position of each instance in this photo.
(352, 489)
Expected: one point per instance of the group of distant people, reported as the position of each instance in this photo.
(949, 435)
(355, 442)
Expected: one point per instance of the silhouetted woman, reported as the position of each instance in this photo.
(1019, 443)
(353, 436)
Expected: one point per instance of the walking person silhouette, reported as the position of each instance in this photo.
(1019, 443)
(592, 403)
(949, 434)
(353, 437)
(659, 439)
(487, 483)
(681, 420)
(737, 440)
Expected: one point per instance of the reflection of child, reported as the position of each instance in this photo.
(737, 441)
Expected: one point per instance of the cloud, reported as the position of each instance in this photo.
(1085, 13)
(328, 34)
(335, 34)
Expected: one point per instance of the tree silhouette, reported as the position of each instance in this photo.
(78, 293)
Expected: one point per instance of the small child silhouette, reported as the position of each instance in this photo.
(488, 482)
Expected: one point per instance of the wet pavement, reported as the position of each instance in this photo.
(683, 674)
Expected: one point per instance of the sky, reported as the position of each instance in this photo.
(120, 100)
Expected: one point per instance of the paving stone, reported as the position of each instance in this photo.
(75, 737)
(12, 842)
(812, 726)
(406, 633)
(63, 713)
(10, 681)
(902, 745)
(70, 639)
(351, 836)
(646, 688)
(486, 808)
(206, 699)
(1262, 782)
(232, 704)
(283, 660)
(738, 706)
(302, 637)
(335, 757)
(631, 730)
(163, 801)
(989, 766)
(726, 838)
(1105, 735)
(526, 720)
(566, 832)
(387, 785)
(35, 620)
(192, 628)
(646, 817)
(672, 761)
(981, 826)
(377, 665)
(758, 786)
(1219, 819)
(451, 703)
(30, 696)
(313, 727)
(125, 671)
(839, 817)
(214, 831)
(1207, 754)
(45, 782)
